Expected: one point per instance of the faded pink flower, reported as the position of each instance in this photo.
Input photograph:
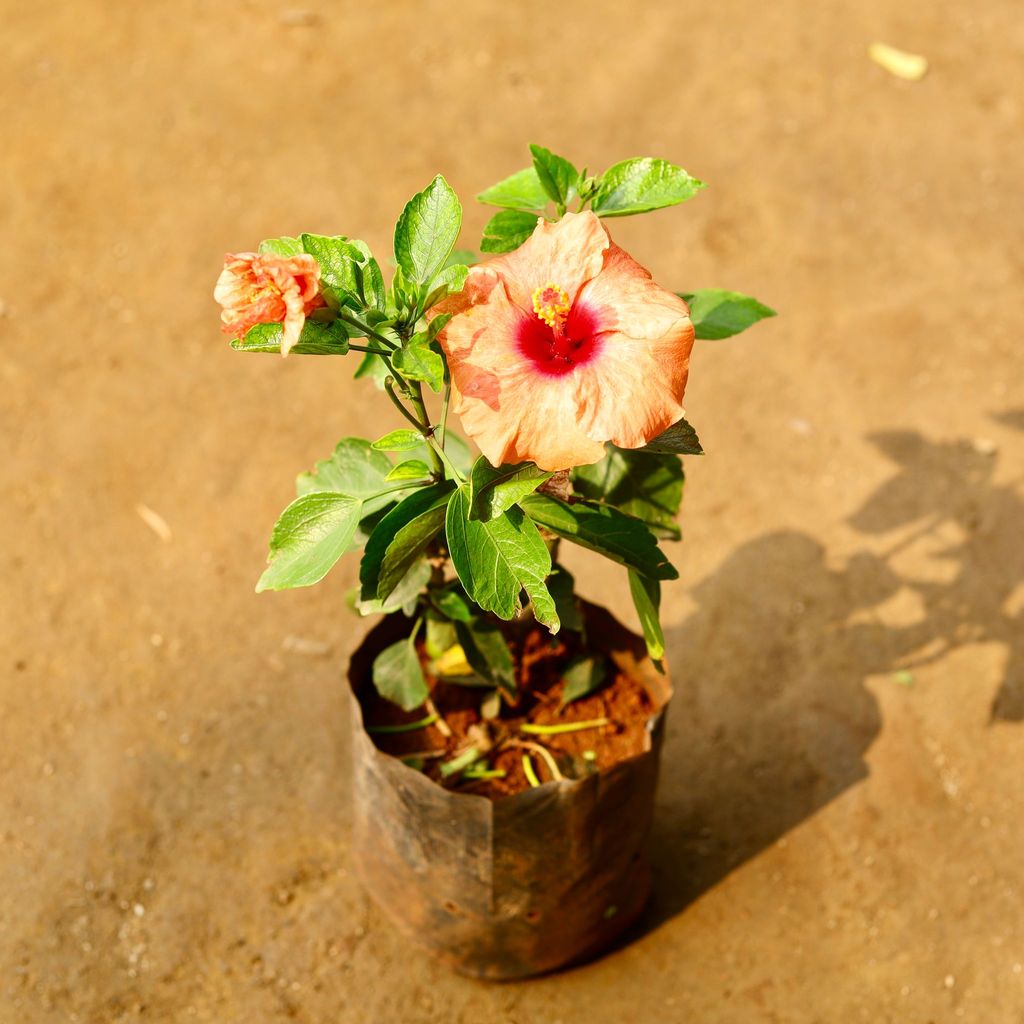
(562, 345)
(260, 288)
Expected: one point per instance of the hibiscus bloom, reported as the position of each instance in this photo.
(562, 345)
(260, 288)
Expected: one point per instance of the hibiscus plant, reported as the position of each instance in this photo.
(566, 364)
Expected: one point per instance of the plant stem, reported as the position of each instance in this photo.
(437, 455)
(367, 331)
(531, 775)
(389, 730)
(487, 773)
(403, 486)
(556, 730)
(442, 455)
(545, 754)
(389, 387)
(442, 426)
(442, 726)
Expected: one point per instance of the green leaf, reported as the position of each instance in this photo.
(450, 281)
(562, 587)
(582, 677)
(718, 314)
(311, 535)
(385, 538)
(557, 176)
(284, 246)
(522, 190)
(403, 440)
(497, 559)
(420, 362)
(337, 258)
(411, 469)
(426, 232)
(636, 186)
(409, 545)
(316, 339)
(639, 483)
(494, 490)
(679, 439)
(507, 230)
(452, 602)
(464, 257)
(457, 449)
(487, 653)
(603, 529)
(354, 468)
(398, 675)
(440, 635)
(369, 277)
(405, 595)
(646, 595)
(435, 327)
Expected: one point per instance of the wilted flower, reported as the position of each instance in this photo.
(562, 345)
(261, 288)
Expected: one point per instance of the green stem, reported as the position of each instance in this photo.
(437, 455)
(367, 331)
(443, 456)
(390, 730)
(442, 425)
(404, 486)
(531, 775)
(558, 730)
(389, 387)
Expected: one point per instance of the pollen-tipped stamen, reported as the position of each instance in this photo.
(552, 305)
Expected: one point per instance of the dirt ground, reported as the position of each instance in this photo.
(840, 835)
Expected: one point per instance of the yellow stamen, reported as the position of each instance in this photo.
(552, 305)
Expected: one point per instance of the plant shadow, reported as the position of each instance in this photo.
(772, 719)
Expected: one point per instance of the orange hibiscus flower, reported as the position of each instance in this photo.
(260, 288)
(562, 345)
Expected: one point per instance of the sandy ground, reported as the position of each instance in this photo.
(840, 835)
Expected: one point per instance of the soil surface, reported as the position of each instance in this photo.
(839, 834)
(621, 709)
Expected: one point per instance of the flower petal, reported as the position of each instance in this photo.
(510, 410)
(634, 389)
(567, 253)
(479, 282)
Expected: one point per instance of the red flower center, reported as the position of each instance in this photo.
(560, 336)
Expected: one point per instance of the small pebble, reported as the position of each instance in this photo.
(950, 981)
